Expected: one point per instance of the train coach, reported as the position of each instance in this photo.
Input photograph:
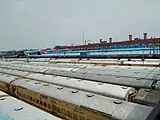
(147, 97)
(111, 79)
(146, 73)
(63, 65)
(14, 109)
(109, 90)
(143, 96)
(40, 94)
(72, 104)
(134, 72)
(92, 66)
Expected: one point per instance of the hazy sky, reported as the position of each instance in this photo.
(45, 23)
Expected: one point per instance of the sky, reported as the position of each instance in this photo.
(46, 23)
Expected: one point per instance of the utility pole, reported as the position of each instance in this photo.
(83, 38)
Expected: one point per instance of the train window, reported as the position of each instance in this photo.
(54, 101)
(58, 109)
(63, 111)
(37, 101)
(27, 96)
(54, 107)
(69, 114)
(45, 104)
(41, 103)
(19, 93)
(75, 116)
(81, 118)
(24, 95)
(30, 98)
(33, 99)
(49, 106)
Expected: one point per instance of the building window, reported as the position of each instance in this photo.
(69, 114)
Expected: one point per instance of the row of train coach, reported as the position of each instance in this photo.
(14, 109)
(73, 104)
(148, 79)
(137, 48)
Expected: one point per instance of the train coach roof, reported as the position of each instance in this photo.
(118, 80)
(2, 93)
(6, 78)
(89, 100)
(98, 67)
(14, 71)
(20, 81)
(96, 87)
(140, 74)
(114, 79)
(14, 109)
(126, 73)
